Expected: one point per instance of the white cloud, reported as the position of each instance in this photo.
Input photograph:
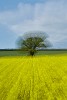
(50, 17)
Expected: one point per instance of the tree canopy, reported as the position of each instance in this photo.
(31, 41)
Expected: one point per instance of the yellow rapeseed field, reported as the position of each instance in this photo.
(33, 78)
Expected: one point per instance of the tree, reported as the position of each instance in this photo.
(31, 41)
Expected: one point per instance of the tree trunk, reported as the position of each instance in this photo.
(32, 53)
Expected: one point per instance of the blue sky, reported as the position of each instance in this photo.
(20, 16)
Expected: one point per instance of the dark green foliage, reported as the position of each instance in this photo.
(33, 41)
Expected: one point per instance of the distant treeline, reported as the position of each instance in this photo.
(38, 50)
(9, 49)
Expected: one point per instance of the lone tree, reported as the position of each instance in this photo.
(31, 41)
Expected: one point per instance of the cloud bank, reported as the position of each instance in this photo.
(50, 17)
